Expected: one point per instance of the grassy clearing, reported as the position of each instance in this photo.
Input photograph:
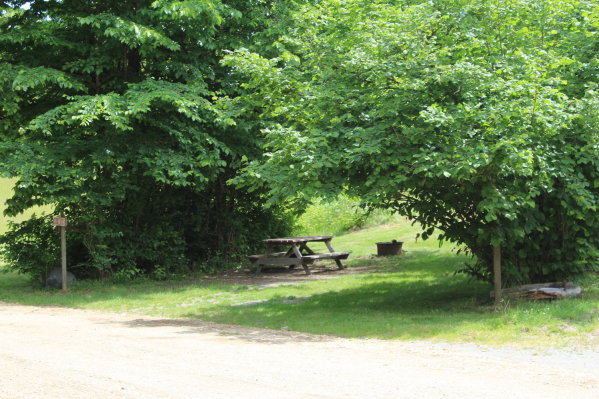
(414, 296)
(6, 186)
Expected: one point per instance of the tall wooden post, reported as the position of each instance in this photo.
(63, 255)
(497, 273)
(61, 223)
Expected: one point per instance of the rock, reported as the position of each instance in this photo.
(54, 279)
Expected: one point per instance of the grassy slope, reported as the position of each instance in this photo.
(6, 186)
(414, 296)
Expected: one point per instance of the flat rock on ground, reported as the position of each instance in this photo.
(67, 353)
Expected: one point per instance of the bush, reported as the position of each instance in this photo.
(176, 232)
(33, 247)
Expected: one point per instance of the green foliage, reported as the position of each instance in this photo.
(477, 118)
(107, 113)
(33, 248)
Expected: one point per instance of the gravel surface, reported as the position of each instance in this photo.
(66, 353)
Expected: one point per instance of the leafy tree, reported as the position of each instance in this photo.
(107, 112)
(478, 118)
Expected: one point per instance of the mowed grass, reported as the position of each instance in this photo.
(415, 296)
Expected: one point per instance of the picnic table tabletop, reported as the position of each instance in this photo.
(297, 240)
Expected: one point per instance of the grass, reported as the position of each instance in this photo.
(6, 186)
(412, 296)
(339, 216)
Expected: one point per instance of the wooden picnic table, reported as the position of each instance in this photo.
(298, 252)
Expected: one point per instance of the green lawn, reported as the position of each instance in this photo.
(412, 296)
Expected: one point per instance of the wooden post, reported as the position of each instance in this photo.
(63, 255)
(61, 223)
(497, 273)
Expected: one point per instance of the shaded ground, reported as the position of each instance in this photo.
(67, 353)
(279, 275)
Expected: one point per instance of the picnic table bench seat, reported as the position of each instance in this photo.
(271, 255)
(277, 258)
(330, 255)
(298, 254)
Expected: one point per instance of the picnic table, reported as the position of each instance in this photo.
(298, 252)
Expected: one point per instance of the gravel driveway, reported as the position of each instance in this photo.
(66, 353)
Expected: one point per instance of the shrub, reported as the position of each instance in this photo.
(33, 247)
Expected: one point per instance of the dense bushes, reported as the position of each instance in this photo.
(31, 247)
(164, 236)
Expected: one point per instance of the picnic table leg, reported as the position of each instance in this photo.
(306, 268)
(289, 254)
(304, 247)
(337, 261)
(297, 253)
(258, 265)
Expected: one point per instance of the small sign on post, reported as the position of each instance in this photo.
(61, 222)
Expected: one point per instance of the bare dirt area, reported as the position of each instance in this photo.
(67, 353)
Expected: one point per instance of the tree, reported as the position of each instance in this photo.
(107, 112)
(477, 118)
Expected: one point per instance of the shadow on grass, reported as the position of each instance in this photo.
(411, 304)
(17, 289)
(413, 296)
(377, 309)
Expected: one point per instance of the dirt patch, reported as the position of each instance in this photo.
(68, 353)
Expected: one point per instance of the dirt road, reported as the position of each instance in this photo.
(65, 353)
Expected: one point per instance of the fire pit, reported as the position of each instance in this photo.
(389, 248)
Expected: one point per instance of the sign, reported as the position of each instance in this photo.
(60, 221)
